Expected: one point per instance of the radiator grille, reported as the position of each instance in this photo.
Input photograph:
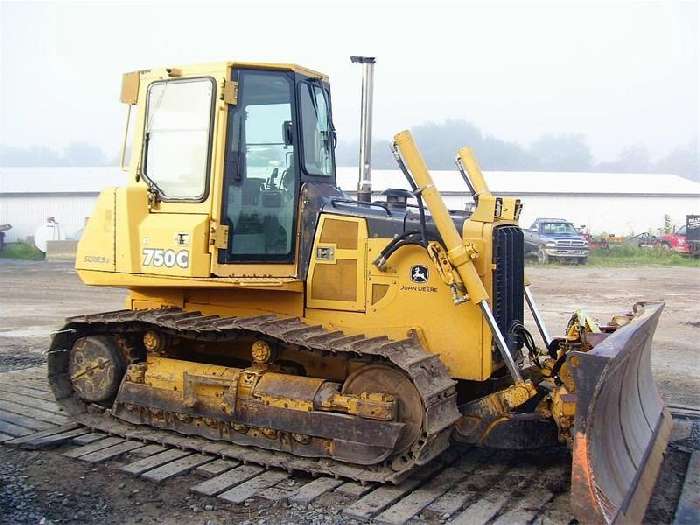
(508, 282)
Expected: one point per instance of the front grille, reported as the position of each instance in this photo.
(570, 243)
(508, 283)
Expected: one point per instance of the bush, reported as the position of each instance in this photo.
(627, 255)
(21, 250)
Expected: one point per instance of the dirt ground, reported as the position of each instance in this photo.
(36, 486)
(35, 297)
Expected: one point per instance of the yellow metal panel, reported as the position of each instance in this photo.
(330, 287)
(335, 282)
(96, 249)
(175, 244)
(455, 332)
(132, 208)
(130, 87)
(97, 278)
(283, 66)
(340, 232)
(223, 301)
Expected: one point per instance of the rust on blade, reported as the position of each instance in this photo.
(621, 426)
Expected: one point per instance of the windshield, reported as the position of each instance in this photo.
(317, 129)
(552, 228)
(176, 149)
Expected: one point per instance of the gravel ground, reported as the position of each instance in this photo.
(45, 487)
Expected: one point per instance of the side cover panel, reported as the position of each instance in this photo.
(96, 249)
(337, 267)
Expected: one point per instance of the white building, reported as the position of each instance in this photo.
(604, 202)
(28, 196)
(619, 203)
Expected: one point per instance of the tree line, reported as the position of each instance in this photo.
(553, 152)
(438, 142)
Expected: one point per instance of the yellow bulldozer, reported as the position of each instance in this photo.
(272, 313)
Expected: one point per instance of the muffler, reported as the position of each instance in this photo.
(621, 424)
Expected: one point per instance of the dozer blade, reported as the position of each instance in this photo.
(621, 425)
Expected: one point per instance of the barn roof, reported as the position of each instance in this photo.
(72, 180)
(540, 183)
(75, 180)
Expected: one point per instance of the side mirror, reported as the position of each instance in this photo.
(288, 132)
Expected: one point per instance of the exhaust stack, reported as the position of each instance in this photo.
(364, 184)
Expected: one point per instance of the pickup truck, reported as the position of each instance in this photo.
(676, 241)
(555, 239)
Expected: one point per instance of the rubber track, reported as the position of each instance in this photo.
(427, 372)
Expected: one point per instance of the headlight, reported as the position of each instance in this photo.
(551, 244)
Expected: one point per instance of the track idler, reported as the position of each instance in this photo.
(621, 426)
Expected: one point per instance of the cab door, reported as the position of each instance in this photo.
(178, 129)
(261, 182)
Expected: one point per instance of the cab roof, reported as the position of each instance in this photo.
(243, 64)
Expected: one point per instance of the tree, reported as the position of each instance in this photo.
(633, 159)
(83, 154)
(683, 161)
(564, 152)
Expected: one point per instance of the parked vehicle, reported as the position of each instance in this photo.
(643, 240)
(556, 239)
(692, 234)
(676, 241)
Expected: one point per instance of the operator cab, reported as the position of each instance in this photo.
(280, 134)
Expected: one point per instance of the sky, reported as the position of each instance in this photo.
(621, 72)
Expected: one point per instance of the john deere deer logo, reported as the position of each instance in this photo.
(419, 273)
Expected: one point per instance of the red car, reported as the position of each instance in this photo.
(676, 241)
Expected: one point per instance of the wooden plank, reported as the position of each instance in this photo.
(41, 415)
(154, 461)
(466, 489)
(41, 387)
(24, 421)
(54, 440)
(5, 437)
(225, 481)
(354, 489)
(17, 388)
(557, 512)
(276, 493)
(14, 430)
(419, 499)
(216, 467)
(314, 489)
(88, 438)
(148, 450)
(93, 447)
(110, 452)
(39, 404)
(380, 498)
(688, 510)
(482, 510)
(526, 509)
(179, 466)
(488, 505)
(58, 430)
(250, 488)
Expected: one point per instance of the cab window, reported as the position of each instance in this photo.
(317, 131)
(177, 137)
(261, 182)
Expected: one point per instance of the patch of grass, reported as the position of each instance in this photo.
(626, 255)
(21, 250)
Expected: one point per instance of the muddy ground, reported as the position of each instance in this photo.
(36, 486)
(35, 297)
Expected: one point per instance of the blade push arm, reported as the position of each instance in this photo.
(459, 254)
